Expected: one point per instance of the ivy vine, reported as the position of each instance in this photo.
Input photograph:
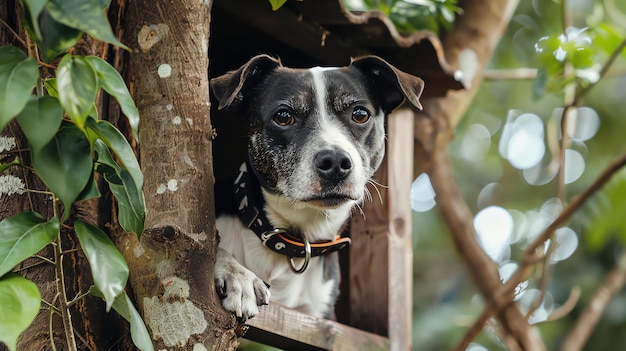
(68, 146)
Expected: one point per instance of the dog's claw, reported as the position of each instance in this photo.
(241, 290)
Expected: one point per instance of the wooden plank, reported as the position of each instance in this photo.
(288, 329)
(381, 256)
(369, 261)
(400, 175)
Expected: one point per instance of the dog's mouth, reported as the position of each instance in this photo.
(330, 200)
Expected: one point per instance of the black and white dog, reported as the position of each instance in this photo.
(316, 136)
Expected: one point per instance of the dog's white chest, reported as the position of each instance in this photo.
(308, 292)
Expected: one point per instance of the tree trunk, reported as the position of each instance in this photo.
(171, 267)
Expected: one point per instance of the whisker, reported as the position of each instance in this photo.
(360, 208)
(367, 194)
(375, 185)
(374, 181)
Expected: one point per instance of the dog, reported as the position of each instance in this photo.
(316, 137)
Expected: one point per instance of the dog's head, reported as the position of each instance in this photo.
(316, 135)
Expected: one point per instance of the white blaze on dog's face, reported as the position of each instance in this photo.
(316, 135)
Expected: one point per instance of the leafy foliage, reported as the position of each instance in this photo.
(22, 236)
(65, 164)
(18, 74)
(125, 308)
(603, 217)
(56, 25)
(67, 154)
(413, 15)
(276, 4)
(536, 38)
(108, 267)
(123, 186)
(19, 305)
(40, 120)
(583, 49)
(77, 84)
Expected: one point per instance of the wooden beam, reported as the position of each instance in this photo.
(400, 175)
(288, 329)
(381, 256)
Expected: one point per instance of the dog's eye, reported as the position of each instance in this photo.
(360, 115)
(284, 118)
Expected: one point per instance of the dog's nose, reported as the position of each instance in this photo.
(333, 164)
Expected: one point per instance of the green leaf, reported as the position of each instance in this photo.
(87, 16)
(124, 306)
(111, 81)
(18, 75)
(90, 190)
(108, 267)
(40, 120)
(52, 37)
(65, 164)
(22, 236)
(603, 215)
(33, 10)
(119, 145)
(77, 85)
(5, 166)
(19, 305)
(138, 331)
(607, 38)
(131, 207)
(51, 87)
(276, 4)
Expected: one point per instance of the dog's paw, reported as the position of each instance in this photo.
(241, 290)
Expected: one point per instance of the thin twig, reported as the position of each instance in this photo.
(527, 73)
(76, 299)
(60, 282)
(510, 74)
(17, 36)
(607, 65)
(38, 263)
(50, 329)
(567, 306)
(84, 341)
(51, 305)
(613, 283)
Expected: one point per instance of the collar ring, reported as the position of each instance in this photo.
(307, 258)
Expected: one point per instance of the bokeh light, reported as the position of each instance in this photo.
(494, 228)
(422, 194)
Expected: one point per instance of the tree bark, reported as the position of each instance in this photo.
(171, 266)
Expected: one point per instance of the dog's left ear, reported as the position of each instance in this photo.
(392, 85)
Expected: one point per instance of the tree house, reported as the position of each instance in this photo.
(375, 305)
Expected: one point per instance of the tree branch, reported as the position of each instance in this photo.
(532, 254)
(517, 333)
(613, 283)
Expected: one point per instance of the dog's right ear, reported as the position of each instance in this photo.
(229, 89)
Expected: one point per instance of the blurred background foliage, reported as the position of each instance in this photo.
(412, 15)
(506, 146)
